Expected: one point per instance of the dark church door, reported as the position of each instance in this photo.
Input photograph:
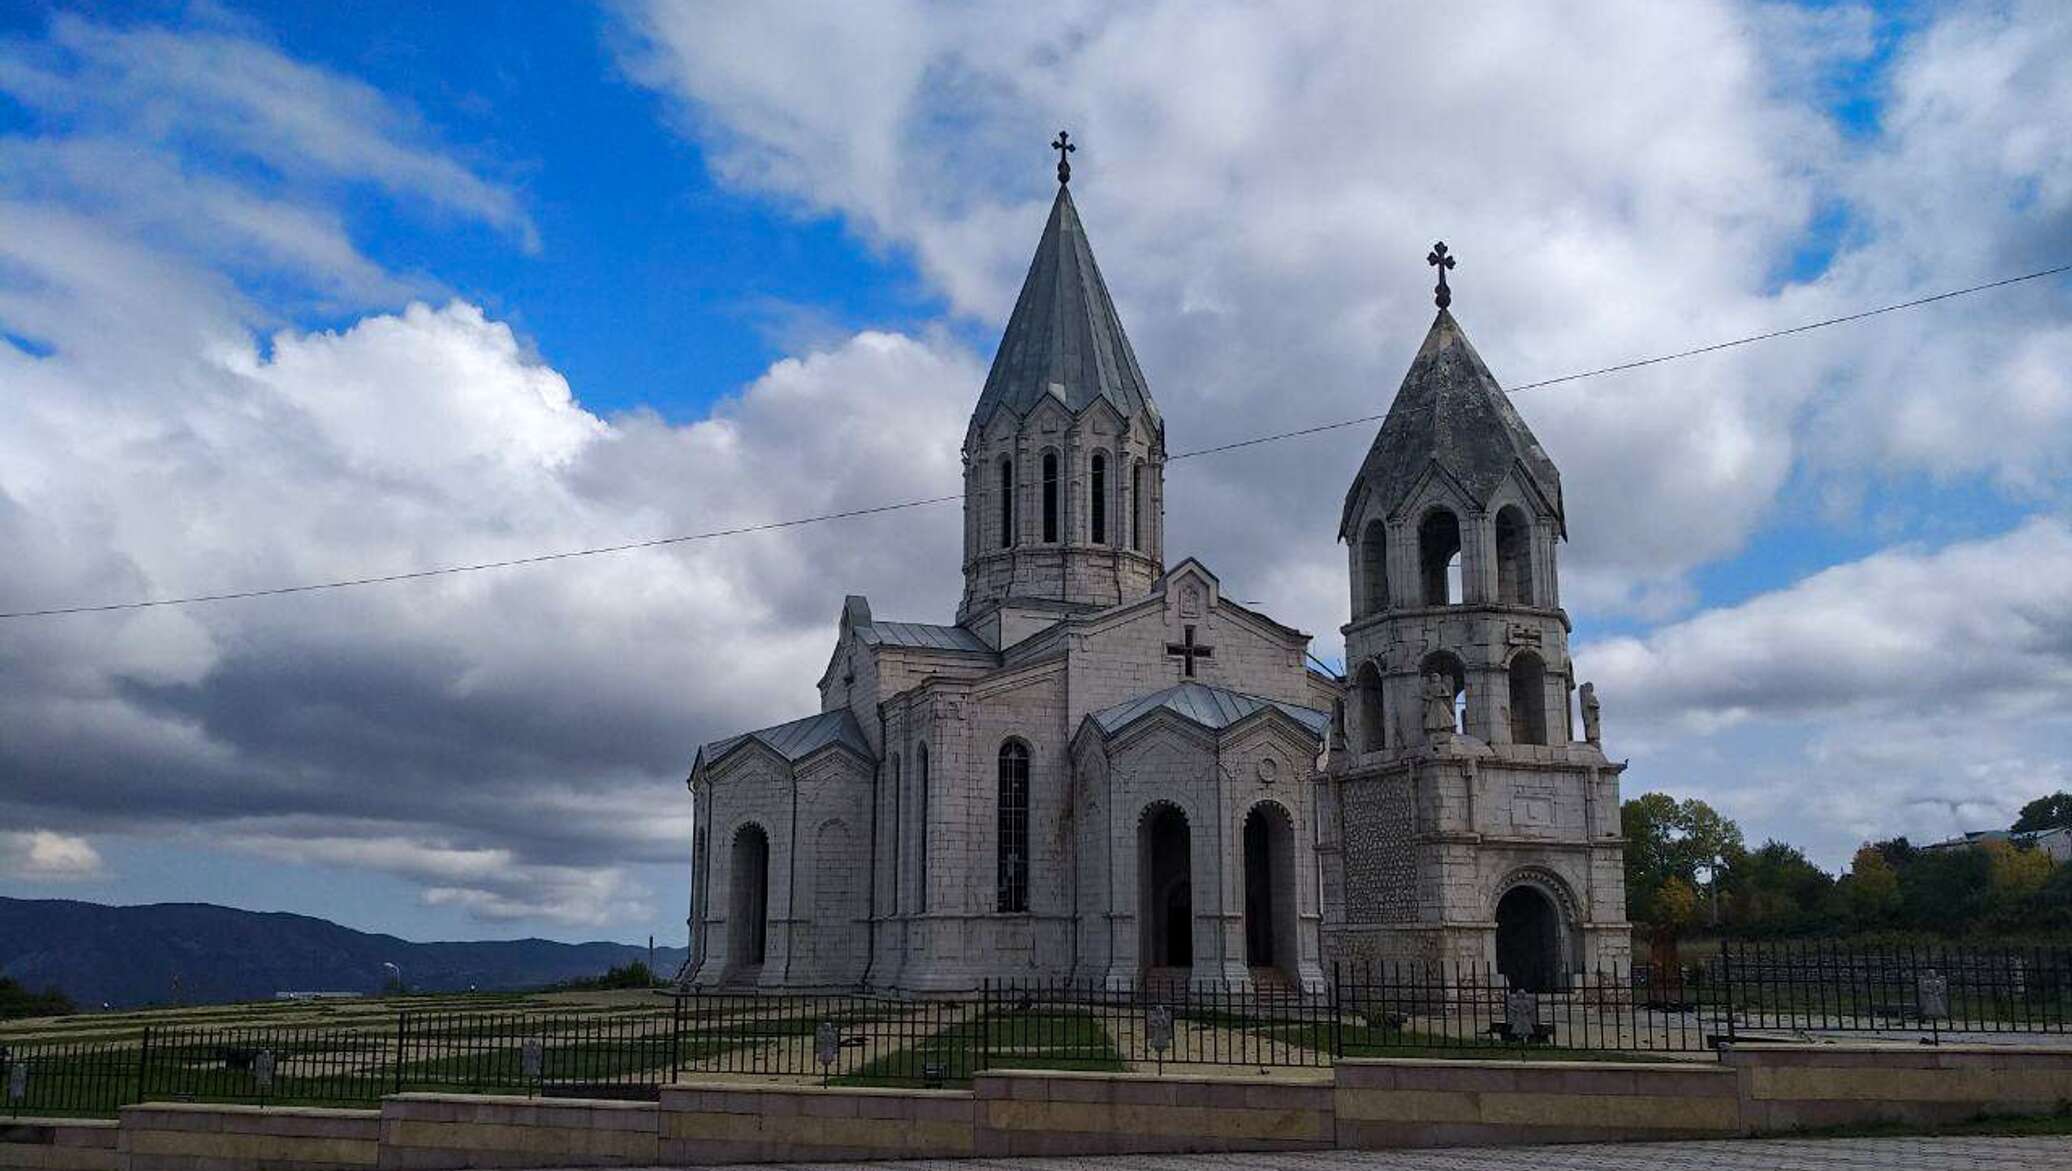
(1259, 926)
(1165, 855)
(1528, 940)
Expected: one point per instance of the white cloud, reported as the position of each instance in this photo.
(1915, 691)
(44, 856)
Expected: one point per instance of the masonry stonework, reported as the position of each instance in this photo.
(1106, 770)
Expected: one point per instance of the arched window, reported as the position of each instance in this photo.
(1438, 557)
(1050, 496)
(1513, 557)
(1374, 569)
(921, 833)
(1006, 502)
(1014, 828)
(1373, 729)
(1446, 665)
(1097, 478)
(1528, 699)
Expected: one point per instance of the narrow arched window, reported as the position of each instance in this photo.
(1374, 569)
(1050, 496)
(1006, 502)
(1513, 557)
(1098, 501)
(1373, 728)
(1137, 506)
(1438, 557)
(1013, 871)
(1528, 699)
(921, 834)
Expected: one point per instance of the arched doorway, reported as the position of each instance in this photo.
(748, 918)
(1165, 868)
(1270, 916)
(1528, 940)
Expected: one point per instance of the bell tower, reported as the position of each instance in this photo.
(1467, 822)
(1064, 458)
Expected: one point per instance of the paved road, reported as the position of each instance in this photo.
(1879, 1154)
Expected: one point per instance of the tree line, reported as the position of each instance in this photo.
(1688, 869)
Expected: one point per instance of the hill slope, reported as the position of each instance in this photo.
(130, 955)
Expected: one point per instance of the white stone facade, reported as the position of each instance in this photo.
(1107, 772)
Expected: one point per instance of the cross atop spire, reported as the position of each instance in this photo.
(1440, 260)
(1063, 145)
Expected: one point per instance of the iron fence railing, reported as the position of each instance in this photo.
(1739, 993)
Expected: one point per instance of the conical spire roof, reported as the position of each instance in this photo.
(1451, 411)
(1064, 340)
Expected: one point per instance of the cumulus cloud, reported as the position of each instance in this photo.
(44, 856)
(512, 744)
(1262, 184)
(1915, 691)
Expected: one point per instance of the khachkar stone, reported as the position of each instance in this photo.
(1461, 754)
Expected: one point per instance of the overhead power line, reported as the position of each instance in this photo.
(714, 534)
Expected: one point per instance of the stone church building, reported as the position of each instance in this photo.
(1105, 770)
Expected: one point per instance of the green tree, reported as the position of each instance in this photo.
(1871, 889)
(1946, 890)
(2017, 875)
(2045, 813)
(17, 1001)
(1667, 838)
(1779, 891)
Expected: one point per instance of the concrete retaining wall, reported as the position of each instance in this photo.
(58, 1144)
(1424, 1103)
(1800, 1087)
(1359, 1104)
(179, 1136)
(734, 1123)
(482, 1130)
(1138, 1113)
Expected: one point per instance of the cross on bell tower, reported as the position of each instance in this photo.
(1438, 259)
(1190, 651)
(1063, 145)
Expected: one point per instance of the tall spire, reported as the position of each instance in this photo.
(1064, 339)
(1450, 411)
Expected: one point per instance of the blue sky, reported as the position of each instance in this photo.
(791, 241)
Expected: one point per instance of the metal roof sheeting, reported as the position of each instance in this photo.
(1211, 707)
(800, 738)
(923, 635)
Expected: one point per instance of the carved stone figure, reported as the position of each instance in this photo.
(1590, 715)
(1438, 704)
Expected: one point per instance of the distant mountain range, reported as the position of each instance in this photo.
(127, 956)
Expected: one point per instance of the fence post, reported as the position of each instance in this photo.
(1337, 1016)
(402, 1026)
(144, 1064)
(675, 1038)
(1726, 996)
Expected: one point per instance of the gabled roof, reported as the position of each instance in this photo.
(1451, 410)
(922, 634)
(1213, 708)
(798, 739)
(1064, 340)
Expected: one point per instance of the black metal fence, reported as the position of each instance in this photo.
(1741, 993)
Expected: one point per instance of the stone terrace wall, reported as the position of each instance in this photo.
(58, 1144)
(181, 1136)
(1361, 1104)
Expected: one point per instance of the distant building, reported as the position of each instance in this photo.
(317, 995)
(2055, 841)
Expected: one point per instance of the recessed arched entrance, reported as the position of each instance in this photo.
(1165, 876)
(1528, 940)
(1270, 919)
(748, 916)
